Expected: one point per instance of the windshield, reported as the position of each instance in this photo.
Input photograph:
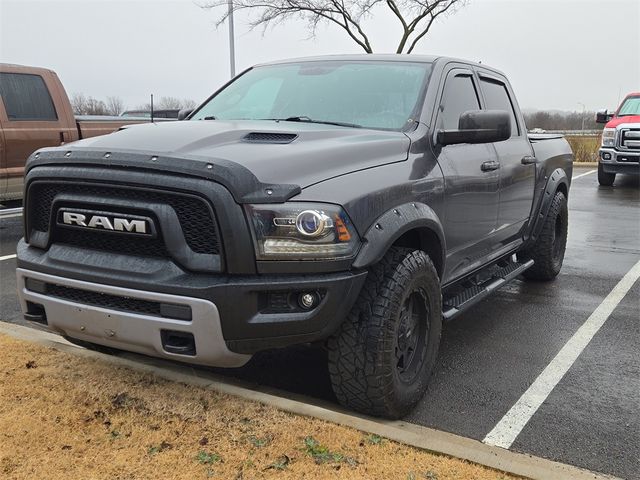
(380, 95)
(631, 106)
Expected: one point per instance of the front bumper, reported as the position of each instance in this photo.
(128, 330)
(614, 161)
(232, 316)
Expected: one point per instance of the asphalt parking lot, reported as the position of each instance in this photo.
(501, 350)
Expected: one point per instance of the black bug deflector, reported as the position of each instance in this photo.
(243, 185)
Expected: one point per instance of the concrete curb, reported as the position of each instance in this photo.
(585, 164)
(421, 437)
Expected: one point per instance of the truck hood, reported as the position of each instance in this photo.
(311, 153)
(614, 122)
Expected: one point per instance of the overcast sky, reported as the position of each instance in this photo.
(558, 54)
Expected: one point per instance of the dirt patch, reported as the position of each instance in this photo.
(63, 416)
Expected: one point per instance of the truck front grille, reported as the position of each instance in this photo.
(630, 139)
(109, 242)
(195, 216)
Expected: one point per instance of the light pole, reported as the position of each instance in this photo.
(232, 44)
(584, 109)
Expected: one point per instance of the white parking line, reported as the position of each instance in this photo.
(2, 217)
(509, 427)
(583, 174)
(7, 257)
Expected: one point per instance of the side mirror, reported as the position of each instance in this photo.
(184, 113)
(478, 126)
(603, 116)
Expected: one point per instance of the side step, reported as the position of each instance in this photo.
(482, 284)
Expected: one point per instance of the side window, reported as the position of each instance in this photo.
(497, 98)
(26, 97)
(459, 96)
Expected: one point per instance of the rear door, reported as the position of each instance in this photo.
(471, 174)
(29, 121)
(517, 167)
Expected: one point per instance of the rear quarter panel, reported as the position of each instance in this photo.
(554, 168)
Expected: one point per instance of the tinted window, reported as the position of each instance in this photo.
(371, 94)
(459, 96)
(497, 98)
(26, 97)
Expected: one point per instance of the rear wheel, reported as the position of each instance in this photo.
(548, 250)
(382, 357)
(605, 179)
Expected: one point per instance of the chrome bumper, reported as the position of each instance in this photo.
(614, 161)
(131, 331)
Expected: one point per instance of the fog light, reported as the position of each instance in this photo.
(606, 156)
(308, 300)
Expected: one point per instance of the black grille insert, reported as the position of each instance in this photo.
(111, 242)
(195, 217)
(116, 302)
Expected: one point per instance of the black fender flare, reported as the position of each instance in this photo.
(558, 177)
(392, 225)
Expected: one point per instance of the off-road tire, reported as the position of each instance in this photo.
(548, 250)
(365, 372)
(605, 179)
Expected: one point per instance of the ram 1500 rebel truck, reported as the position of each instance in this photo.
(35, 112)
(620, 150)
(351, 201)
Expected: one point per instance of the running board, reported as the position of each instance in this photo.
(464, 297)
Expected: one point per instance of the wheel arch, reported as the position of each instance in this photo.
(414, 225)
(558, 181)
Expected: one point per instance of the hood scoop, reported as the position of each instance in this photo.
(270, 137)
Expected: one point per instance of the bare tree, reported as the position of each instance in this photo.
(83, 105)
(115, 105)
(415, 16)
(79, 103)
(168, 103)
(188, 103)
(96, 107)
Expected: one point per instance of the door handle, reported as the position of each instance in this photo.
(528, 160)
(490, 165)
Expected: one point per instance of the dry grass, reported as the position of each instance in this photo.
(66, 417)
(585, 148)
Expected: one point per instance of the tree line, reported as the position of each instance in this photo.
(562, 120)
(88, 105)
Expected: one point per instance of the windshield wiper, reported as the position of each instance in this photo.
(305, 119)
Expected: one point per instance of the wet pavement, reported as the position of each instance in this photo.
(492, 354)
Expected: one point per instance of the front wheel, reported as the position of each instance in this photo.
(381, 358)
(605, 179)
(548, 250)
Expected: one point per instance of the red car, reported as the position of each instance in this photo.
(620, 150)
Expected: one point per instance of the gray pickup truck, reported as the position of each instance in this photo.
(355, 202)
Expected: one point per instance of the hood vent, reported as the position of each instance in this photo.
(265, 137)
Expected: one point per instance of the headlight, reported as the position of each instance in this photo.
(302, 231)
(609, 137)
